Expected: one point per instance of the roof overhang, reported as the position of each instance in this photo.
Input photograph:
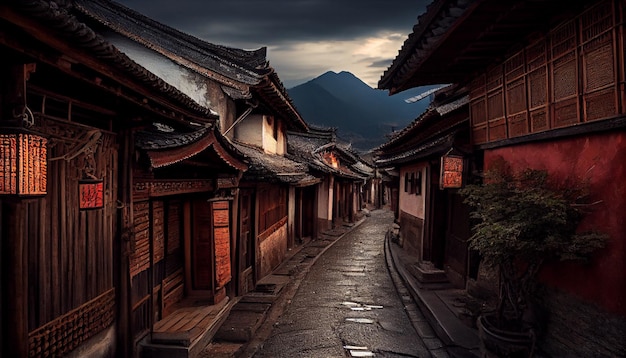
(454, 39)
(167, 157)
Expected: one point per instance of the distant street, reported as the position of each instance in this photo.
(348, 305)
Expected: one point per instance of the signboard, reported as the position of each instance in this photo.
(91, 194)
(451, 172)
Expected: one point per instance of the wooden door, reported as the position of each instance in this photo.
(201, 247)
(246, 241)
(457, 234)
(435, 220)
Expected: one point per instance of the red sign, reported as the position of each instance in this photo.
(91, 194)
(451, 172)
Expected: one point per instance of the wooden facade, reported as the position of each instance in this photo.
(434, 223)
(142, 215)
(91, 263)
(545, 84)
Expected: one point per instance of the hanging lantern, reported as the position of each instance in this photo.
(23, 163)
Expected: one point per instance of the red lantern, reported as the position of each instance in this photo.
(23, 163)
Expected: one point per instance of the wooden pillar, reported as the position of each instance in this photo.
(14, 280)
(14, 251)
(122, 251)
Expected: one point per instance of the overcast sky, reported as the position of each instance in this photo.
(304, 38)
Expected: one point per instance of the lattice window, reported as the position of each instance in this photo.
(565, 77)
(495, 108)
(538, 88)
(563, 39)
(514, 69)
(536, 55)
(598, 65)
(494, 78)
(537, 82)
(514, 66)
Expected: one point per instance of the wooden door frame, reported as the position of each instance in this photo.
(188, 245)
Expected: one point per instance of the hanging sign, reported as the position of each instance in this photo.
(451, 172)
(91, 194)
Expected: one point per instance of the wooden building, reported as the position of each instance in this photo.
(546, 91)
(128, 180)
(253, 111)
(339, 196)
(434, 225)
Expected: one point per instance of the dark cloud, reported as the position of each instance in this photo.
(270, 23)
(381, 63)
(305, 38)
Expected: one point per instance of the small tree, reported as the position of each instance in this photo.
(524, 220)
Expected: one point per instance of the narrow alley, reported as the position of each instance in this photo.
(348, 305)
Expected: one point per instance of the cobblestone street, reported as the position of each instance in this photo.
(348, 305)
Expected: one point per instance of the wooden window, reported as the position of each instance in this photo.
(564, 75)
(516, 107)
(598, 63)
(417, 183)
(495, 104)
(478, 109)
(567, 77)
(407, 183)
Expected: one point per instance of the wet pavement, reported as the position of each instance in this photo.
(350, 304)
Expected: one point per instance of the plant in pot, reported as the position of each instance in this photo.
(524, 220)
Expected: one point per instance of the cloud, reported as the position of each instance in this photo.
(305, 38)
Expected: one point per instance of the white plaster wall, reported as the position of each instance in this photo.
(281, 143)
(411, 203)
(250, 130)
(185, 80)
(269, 143)
(324, 195)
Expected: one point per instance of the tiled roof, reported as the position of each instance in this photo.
(158, 139)
(454, 39)
(427, 149)
(432, 121)
(165, 148)
(242, 73)
(273, 167)
(61, 19)
(309, 148)
(244, 66)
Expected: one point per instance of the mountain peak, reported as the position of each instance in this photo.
(362, 113)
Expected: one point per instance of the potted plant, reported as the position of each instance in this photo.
(523, 220)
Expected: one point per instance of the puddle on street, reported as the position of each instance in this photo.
(360, 320)
(354, 306)
(358, 351)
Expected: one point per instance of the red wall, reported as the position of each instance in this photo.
(602, 159)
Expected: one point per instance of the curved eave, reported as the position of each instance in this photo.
(274, 95)
(163, 158)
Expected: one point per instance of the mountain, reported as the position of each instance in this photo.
(363, 115)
